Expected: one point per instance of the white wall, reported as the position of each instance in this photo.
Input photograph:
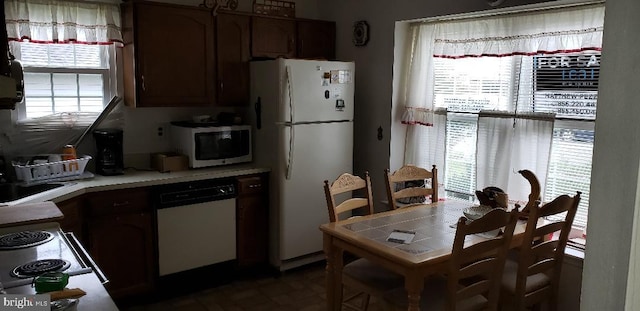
(614, 179)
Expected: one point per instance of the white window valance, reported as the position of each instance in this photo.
(52, 21)
(560, 31)
(415, 116)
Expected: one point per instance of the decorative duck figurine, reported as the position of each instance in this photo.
(534, 195)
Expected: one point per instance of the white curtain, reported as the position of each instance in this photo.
(52, 21)
(417, 88)
(430, 149)
(565, 30)
(507, 143)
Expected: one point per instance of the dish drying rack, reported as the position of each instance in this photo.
(32, 174)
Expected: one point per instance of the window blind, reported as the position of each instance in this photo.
(563, 84)
(64, 78)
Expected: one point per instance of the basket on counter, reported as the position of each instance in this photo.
(274, 8)
(51, 171)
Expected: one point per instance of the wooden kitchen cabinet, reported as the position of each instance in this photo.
(120, 239)
(169, 55)
(316, 39)
(233, 34)
(273, 37)
(252, 214)
(73, 220)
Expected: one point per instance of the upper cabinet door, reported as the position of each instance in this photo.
(174, 57)
(233, 34)
(316, 39)
(273, 38)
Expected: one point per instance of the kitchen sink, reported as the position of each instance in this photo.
(12, 192)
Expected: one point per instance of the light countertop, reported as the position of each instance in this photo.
(137, 178)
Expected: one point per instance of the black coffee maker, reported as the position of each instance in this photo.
(109, 151)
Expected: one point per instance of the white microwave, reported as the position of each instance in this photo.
(207, 144)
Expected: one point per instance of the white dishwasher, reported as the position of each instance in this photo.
(196, 224)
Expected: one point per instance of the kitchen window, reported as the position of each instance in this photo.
(502, 93)
(467, 86)
(65, 79)
(68, 52)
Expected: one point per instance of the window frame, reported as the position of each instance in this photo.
(108, 56)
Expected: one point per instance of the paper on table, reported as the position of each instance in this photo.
(401, 236)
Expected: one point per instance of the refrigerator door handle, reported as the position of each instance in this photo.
(291, 128)
(290, 157)
(290, 90)
(258, 109)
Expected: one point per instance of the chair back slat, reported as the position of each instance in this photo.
(351, 204)
(478, 267)
(480, 248)
(477, 288)
(412, 192)
(542, 266)
(546, 249)
(548, 229)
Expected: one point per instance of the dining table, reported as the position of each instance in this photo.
(425, 255)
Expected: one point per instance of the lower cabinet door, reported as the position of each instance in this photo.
(253, 243)
(122, 247)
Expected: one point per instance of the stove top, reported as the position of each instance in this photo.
(40, 266)
(24, 239)
(19, 265)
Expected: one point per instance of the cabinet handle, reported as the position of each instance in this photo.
(255, 186)
(221, 87)
(118, 204)
(144, 87)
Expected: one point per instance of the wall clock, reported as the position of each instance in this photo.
(360, 33)
(209, 4)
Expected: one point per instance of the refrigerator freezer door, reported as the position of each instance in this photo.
(316, 91)
(320, 152)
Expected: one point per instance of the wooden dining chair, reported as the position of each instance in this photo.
(474, 271)
(347, 183)
(397, 182)
(534, 276)
(362, 276)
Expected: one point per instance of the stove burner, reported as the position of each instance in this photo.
(38, 267)
(24, 239)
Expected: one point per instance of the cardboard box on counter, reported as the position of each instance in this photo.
(169, 162)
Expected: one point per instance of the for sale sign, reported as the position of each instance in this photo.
(567, 72)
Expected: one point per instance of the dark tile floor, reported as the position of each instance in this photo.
(298, 289)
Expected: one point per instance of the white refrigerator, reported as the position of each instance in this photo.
(303, 130)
